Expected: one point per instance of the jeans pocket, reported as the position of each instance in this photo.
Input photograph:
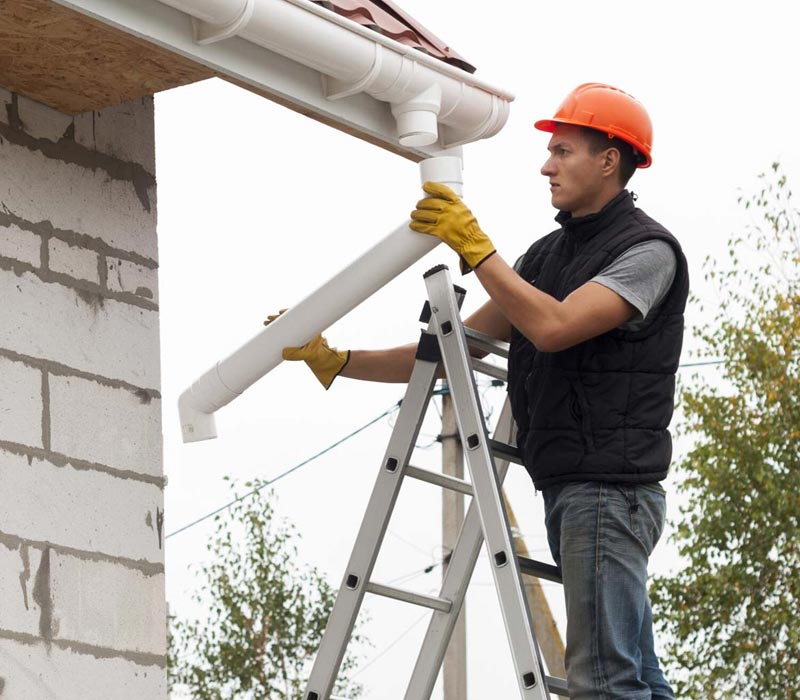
(648, 514)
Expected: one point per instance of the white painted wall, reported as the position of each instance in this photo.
(82, 611)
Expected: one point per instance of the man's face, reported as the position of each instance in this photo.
(576, 177)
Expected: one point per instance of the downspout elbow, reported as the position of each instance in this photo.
(196, 425)
(197, 405)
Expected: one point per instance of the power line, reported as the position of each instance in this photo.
(385, 650)
(286, 473)
(437, 392)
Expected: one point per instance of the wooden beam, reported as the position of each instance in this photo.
(74, 64)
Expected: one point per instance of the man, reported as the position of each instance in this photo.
(594, 313)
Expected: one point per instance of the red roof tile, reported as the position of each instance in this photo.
(385, 17)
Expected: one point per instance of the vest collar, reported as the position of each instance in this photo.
(587, 226)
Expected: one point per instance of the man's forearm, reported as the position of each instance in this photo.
(392, 365)
(552, 325)
(535, 314)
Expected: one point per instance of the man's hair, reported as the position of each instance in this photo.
(629, 158)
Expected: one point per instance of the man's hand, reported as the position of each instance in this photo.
(445, 216)
(324, 361)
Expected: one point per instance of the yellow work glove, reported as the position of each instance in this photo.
(445, 216)
(324, 361)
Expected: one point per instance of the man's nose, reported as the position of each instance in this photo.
(547, 168)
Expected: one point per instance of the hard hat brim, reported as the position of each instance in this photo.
(545, 125)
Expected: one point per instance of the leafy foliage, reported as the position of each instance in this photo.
(732, 613)
(265, 614)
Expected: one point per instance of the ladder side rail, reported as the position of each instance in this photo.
(455, 584)
(494, 520)
(371, 533)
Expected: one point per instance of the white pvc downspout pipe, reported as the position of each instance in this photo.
(431, 100)
(314, 314)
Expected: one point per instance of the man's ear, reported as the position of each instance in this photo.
(611, 158)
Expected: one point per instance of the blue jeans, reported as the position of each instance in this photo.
(601, 536)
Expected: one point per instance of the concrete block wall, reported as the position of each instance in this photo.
(82, 606)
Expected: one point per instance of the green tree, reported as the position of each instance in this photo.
(731, 615)
(264, 613)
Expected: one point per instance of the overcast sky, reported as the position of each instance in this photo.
(258, 206)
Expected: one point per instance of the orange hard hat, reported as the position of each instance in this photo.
(606, 109)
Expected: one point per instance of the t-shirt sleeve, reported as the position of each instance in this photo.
(642, 275)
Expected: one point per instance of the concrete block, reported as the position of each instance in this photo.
(81, 197)
(74, 261)
(41, 121)
(20, 612)
(125, 131)
(81, 330)
(39, 672)
(20, 403)
(108, 426)
(107, 605)
(125, 276)
(20, 245)
(80, 508)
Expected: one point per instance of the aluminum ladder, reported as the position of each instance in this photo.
(446, 341)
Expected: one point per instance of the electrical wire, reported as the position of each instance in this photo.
(285, 473)
(386, 649)
(702, 364)
(408, 542)
(405, 578)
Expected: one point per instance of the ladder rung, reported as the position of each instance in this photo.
(426, 601)
(443, 480)
(539, 569)
(481, 341)
(489, 370)
(509, 452)
(555, 685)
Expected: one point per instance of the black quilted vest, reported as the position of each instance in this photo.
(598, 411)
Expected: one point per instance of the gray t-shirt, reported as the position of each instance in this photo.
(642, 276)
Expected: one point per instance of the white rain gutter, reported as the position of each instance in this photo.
(432, 101)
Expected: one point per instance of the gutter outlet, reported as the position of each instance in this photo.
(417, 118)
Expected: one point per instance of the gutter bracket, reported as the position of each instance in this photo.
(207, 33)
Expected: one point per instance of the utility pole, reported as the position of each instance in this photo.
(455, 659)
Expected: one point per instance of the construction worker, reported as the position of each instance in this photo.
(594, 314)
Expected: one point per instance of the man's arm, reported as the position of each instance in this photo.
(395, 364)
(552, 325)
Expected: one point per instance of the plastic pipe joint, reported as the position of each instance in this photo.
(417, 118)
